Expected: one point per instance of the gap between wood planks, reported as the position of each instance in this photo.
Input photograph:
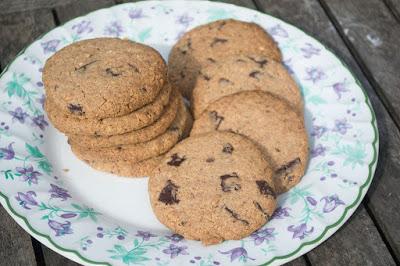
(392, 9)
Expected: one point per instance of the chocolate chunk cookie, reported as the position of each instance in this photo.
(213, 187)
(269, 121)
(103, 77)
(209, 43)
(244, 73)
(133, 137)
(139, 151)
(113, 125)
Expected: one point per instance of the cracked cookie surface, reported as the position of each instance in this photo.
(209, 43)
(269, 121)
(213, 187)
(103, 77)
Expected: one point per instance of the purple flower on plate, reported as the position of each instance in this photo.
(175, 250)
(318, 150)
(60, 228)
(40, 122)
(175, 238)
(318, 131)
(18, 114)
(136, 13)
(184, 20)
(237, 253)
(262, 235)
(331, 202)
(309, 50)
(41, 100)
(7, 153)
(28, 174)
(280, 213)
(83, 26)
(145, 235)
(311, 200)
(58, 192)
(314, 74)
(300, 231)
(278, 31)
(26, 199)
(341, 126)
(68, 215)
(114, 29)
(339, 88)
(50, 46)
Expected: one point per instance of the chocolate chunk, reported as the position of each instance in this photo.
(261, 63)
(176, 160)
(224, 81)
(210, 159)
(211, 60)
(168, 194)
(75, 109)
(84, 67)
(240, 60)
(182, 74)
(134, 68)
(217, 119)
(265, 188)
(286, 169)
(258, 206)
(182, 51)
(143, 89)
(229, 185)
(227, 148)
(254, 74)
(112, 72)
(235, 215)
(119, 148)
(217, 40)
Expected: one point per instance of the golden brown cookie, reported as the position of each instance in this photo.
(208, 44)
(244, 73)
(103, 77)
(269, 121)
(213, 187)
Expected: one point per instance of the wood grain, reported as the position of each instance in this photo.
(383, 196)
(53, 258)
(15, 244)
(79, 8)
(16, 6)
(394, 7)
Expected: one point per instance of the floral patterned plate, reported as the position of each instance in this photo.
(96, 218)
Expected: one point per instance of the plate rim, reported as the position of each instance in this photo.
(305, 247)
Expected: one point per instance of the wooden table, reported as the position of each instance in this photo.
(364, 33)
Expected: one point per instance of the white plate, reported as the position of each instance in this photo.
(96, 218)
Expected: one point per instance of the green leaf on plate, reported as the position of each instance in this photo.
(34, 151)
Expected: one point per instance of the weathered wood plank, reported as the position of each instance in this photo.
(15, 243)
(53, 258)
(373, 35)
(383, 195)
(14, 6)
(19, 30)
(301, 261)
(394, 7)
(244, 3)
(79, 8)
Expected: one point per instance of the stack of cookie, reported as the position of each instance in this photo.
(112, 99)
(248, 142)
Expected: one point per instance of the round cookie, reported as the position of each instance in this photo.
(103, 77)
(270, 122)
(209, 43)
(133, 137)
(113, 125)
(140, 151)
(244, 73)
(213, 187)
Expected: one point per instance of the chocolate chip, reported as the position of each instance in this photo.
(211, 60)
(168, 193)
(112, 72)
(261, 63)
(134, 68)
(75, 109)
(84, 67)
(224, 81)
(217, 119)
(210, 159)
(182, 223)
(286, 169)
(258, 206)
(227, 148)
(240, 60)
(254, 74)
(119, 148)
(182, 74)
(205, 76)
(265, 188)
(96, 134)
(183, 51)
(277, 150)
(229, 185)
(143, 89)
(217, 40)
(176, 160)
(236, 216)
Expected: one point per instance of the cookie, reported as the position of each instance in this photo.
(103, 77)
(109, 126)
(140, 151)
(270, 122)
(136, 136)
(244, 73)
(213, 187)
(210, 43)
